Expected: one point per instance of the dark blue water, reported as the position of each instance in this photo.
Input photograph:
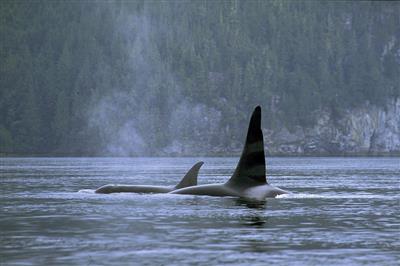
(343, 211)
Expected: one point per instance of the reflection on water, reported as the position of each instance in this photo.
(255, 221)
(252, 204)
(342, 211)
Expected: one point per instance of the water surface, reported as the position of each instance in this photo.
(342, 211)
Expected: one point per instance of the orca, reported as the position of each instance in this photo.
(190, 179)
(249, 178)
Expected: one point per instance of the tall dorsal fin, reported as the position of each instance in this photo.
(251, 167)
(190, 179)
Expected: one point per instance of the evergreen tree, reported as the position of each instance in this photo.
(60, 59)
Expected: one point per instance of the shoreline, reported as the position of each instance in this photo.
(74, 155)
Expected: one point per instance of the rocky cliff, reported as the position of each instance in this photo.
(367, 130)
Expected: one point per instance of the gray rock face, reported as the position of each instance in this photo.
(365, 130)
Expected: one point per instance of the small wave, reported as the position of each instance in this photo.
(347, 196)
(88, 191)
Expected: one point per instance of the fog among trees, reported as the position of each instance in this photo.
(129, 78)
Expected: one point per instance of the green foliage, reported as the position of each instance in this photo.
(60, 58)
(6, 141)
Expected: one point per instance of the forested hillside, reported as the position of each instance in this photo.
(181, 77)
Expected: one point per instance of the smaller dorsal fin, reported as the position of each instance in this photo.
(251, 167)
(190, 179)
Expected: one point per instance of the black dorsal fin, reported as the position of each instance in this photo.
(190, 179)
(251, 167)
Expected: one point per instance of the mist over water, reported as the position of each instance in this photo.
(129, 120)
(115, 121)
(119, 117)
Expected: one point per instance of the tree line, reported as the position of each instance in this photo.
(173, 69)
